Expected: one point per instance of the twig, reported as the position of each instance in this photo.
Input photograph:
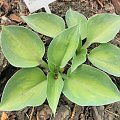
(31, 115)
(73, 113)
(112, 113)
(27, 116)
(37, 116)
(100, 3)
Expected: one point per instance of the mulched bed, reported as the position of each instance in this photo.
(10, 12)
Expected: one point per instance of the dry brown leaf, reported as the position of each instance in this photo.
(4, 116)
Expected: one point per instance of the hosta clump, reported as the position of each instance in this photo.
(83, 84)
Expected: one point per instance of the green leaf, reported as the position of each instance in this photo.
(21, 47)
(54, 89)
(78, 59)
(26, 88)
(102, 28)
(88, 86)
(48, 24)
(107, 58)
(62, 48)
(74, 18)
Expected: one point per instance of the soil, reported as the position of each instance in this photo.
(10, 12)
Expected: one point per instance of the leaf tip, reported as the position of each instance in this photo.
(69, 10)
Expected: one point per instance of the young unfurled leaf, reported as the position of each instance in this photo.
(26, 88)
(107, 58)
(78, 59)
(88, 86)
(48, 24)
(62, 48)
(54, 89)
(21, 47)
(74, 18)
(102, 28)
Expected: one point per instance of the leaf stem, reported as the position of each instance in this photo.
(64, 76)
(86, 45)
(44, 64)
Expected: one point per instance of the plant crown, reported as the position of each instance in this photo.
(65, 68)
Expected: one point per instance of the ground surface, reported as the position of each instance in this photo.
(10, 12)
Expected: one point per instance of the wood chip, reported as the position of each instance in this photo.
(116, 4)
(4, 116)
(5, 6)
(15, 18)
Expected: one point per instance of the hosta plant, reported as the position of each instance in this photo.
(65, 69)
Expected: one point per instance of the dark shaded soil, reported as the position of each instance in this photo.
(10, 12)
